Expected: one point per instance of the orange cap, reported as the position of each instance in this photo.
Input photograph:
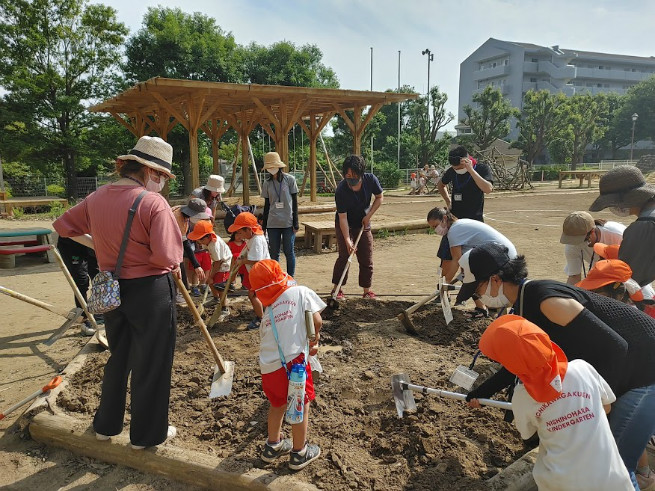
(526, 350)
(246, 220)
(610, 271)
(607, 251)
(202, 228)
(268, 280)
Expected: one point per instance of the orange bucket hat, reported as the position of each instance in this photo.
(202, 228)
(607, 251)
(246, 220)
(610, 271)
(268, 280)
(527, 351)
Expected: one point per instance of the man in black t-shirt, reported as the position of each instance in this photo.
(470, 182)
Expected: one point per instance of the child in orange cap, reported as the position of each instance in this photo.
(246, 228)
(283, 342)
(220, 254)
(564, 402)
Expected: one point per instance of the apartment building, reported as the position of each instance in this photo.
(516, 68)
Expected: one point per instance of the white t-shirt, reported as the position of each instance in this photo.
(256, 249)
(220, 251)
(610, 234)
(469, 233)
(289, 313)
(576, 448)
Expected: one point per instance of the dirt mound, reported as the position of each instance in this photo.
(354, 419)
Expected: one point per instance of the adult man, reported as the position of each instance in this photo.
(470, 182)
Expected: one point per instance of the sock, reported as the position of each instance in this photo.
(274, 445)
(302, 452)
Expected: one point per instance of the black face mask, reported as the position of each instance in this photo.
(353, 181)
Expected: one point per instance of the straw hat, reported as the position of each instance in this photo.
(623, 187)
(272, 161)
(215, 184)
(152, 152)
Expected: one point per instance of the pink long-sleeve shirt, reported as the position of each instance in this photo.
(154, 246)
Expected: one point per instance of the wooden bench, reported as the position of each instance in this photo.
(320, 234)
(11, 203)
(9, 249)
(580, 174)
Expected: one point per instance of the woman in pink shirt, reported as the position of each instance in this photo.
(141, 331)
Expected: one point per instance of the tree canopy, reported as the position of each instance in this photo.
(490, 119)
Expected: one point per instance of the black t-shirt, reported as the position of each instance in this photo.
(356, 204)
(467, 199)
(637, 250)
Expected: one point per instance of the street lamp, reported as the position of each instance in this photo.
(632, 141)
(430, 58)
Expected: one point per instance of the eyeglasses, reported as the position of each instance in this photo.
(587, 237)
(161, 175)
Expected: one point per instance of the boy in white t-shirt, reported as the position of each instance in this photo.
(220, 254)
(246, 228)
(564, 402)
(287, 303)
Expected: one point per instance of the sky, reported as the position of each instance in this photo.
(346, 30)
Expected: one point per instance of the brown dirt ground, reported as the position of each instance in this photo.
(364, 444)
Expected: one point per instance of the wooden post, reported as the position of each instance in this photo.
(244, 168)
(312, 164)
(357, 135)
(193, 158)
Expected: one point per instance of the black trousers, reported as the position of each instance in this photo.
(81, 263)
(141, 335)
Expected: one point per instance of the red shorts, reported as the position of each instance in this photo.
(204, 259)
(276, 384)
(220, 277)
(245, 280)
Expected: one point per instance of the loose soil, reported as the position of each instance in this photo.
(445, 445)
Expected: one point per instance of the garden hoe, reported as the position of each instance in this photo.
(218, 312)
(442, 289)
(72, 317)
(224, 370)
(332, 301)
(404, 399)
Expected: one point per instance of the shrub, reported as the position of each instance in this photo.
(57, 209)
(388, 174)
(551, 173)
(56, 190)
(18, 212)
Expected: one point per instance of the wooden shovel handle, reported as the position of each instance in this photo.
(230, 279)
(34, 301)
(203, 328)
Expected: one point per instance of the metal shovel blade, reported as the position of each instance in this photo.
(222, 382)
(404, 399)
(73, 316)
(464, 377)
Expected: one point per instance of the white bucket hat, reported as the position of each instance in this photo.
(215, 184)
(152, 152)
(272, 161)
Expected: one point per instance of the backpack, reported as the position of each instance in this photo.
(231, 212)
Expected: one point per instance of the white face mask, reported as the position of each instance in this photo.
(461, 171)
(155, 186)
(273, 171)
(497, 302)
(441, 229)
(620, 212)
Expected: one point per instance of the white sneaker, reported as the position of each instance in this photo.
(101, 437)
(87, 329)
(172, 433)
(180, 300)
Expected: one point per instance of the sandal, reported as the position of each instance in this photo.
(477, 313)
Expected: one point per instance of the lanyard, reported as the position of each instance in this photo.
(457, 185)
(279, 349)
(279, 193)
(520, 299)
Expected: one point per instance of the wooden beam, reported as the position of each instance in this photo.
(372, 112)
(345, 117)
(181, 119)
(129, 127)
(267, 112)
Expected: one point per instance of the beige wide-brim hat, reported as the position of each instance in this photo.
(623, 187)
(152, 152)
(215, 184)
(272, 161)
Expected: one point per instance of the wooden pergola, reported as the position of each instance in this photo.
(159, 104)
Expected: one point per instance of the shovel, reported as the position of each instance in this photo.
(332, 301)
(71, 316)
(218, 312)
(404, 399)
(51, 385)
(224, 370)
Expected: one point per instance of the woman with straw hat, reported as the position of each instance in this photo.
(280, 193)
(211, 193)
(141, 331)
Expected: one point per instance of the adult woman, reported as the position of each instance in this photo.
(280, 193)
(579, 234)
(463, 235)
(141, 331)
(354, 212)
(617, 339)
(211, 192)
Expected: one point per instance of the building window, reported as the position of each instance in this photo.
(599, 85)
(533, 79)
(601, 67)
(607, 86)
(535, 60)
(506, 62)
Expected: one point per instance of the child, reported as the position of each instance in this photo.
(236, 246)
(564, 402)
(220, 255)
(245, 227)
(286, 303)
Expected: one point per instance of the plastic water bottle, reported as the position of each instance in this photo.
(296, 394)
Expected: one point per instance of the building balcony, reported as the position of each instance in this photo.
(499, 71)
(565, 72)
(616, 75)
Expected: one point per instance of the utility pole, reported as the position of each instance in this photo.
(632, 141)
(371, 91)
(430, 58)
(399, 110)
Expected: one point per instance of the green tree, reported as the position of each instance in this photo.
(489, 120)
(174, 44)
(283, 63)
(538, 122)
(428, 144)
(57, 56)
(617, 132)
(639, 99)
